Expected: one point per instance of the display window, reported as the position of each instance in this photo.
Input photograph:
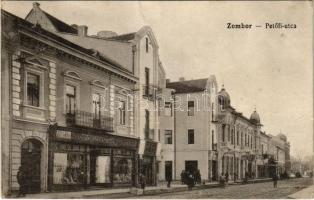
(68, 168)
(122, 170)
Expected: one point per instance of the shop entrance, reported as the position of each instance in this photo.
(100, 169)
(30, 162)
(168, 170)
(147, 169)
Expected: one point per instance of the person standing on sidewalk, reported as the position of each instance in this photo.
(227, 178)
(142, 181)
(168, 179)
(21, 179)
(275, 179)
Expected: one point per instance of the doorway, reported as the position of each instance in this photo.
(191, 166)
(168, 169)
(31, 163)
(214, 170)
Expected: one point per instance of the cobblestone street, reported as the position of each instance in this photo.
(257, 191)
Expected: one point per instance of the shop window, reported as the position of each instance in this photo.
(68, 168)
(168, 109)
(122, 170)
(191, 136)
(168, 136)
(33, 94)
(70, 99)
(190, 108)
(122, 112)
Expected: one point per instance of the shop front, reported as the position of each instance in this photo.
(81, 158)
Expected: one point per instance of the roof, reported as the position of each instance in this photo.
(60, 25)
(37, 29)
(189, 86)
(124, 37)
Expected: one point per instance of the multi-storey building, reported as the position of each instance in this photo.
(68, 116)
(137, 53)
(239, 140)
(188, 134)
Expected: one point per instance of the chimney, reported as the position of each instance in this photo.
(82, 30)
(36, 5)
(181, 79)
(167, 80)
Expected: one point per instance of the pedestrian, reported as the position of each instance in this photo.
(190, 180)
(168, 179)
(222, 180)
(21, 179)
(183, 176)
(198, 176)
(142, 181)
(275, 179)
(227, 177)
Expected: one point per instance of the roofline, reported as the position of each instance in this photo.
(122, 73)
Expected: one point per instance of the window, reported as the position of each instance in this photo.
(146, 124)
(168, 109)
(228, 133)
(146, 88)
(213, 140)
(251, 142)
(213, 112)
(122, 112)
(232, 136)
(241, 138)
(168, 136)
(33, 89)
(190, 108)
(96, 105)
(238, 138)
(158, 135)
(70, 99)
(191, 136)
(223, 132)
(146, 44)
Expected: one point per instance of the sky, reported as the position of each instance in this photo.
(270, 69)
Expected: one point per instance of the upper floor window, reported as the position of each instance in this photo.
(168, 136)
(146, 88)
(70, 99)
(146, 44)
(237, 137)
(190, 108)
(122, 112)
(33, 94)
(223, 132)
(96, 105)
(213, 112)
(191, 136)
(228, 133)
(168, 109)
(232, 136)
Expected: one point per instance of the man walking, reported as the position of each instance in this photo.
(168, 179)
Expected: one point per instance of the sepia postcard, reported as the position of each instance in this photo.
(157, 100)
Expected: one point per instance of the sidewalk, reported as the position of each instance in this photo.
(128, 192)
(306, 193)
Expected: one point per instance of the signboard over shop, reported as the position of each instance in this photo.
(84, 137)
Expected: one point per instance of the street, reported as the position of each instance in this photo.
(250, 191)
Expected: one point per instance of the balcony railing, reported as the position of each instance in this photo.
(87, 119)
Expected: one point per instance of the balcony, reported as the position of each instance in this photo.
(87, 119)
(149, 92)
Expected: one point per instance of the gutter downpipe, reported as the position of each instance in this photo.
(174, 136)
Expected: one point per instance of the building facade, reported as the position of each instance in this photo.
(188, 134)
(69, 113)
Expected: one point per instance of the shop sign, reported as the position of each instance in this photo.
(60, 134)
(107, 140)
